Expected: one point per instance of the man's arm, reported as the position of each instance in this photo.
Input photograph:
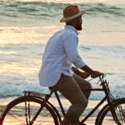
(88, 71)
(84, 75)
(93, 73)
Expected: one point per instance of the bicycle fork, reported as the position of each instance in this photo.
(110, 102)
(38, 112)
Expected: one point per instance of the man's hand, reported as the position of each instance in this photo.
(96, 74)
(84, 75)
(87, 73)
(93, 73)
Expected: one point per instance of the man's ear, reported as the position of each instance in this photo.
(74, 21)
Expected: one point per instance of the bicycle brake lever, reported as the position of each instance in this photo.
(101, 78)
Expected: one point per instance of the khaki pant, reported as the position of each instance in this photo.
(70, 88)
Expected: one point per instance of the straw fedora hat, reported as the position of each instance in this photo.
(71, 12)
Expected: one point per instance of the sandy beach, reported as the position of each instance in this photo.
(66, 104)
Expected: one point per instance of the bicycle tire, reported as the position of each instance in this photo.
(105, 116)
(14, 113)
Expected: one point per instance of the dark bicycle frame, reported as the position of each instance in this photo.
(104, 89)
(91, 111)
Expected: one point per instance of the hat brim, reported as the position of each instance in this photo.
(62, 20)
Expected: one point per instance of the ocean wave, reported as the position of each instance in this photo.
(16, 8)
(20, 65)
(104, 9)
(96, 95)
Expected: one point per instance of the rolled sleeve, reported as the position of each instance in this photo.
(70, 45)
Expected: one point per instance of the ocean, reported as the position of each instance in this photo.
(26, 26)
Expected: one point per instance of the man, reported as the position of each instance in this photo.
(61, 63)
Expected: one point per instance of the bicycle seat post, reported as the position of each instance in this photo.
(48, 96)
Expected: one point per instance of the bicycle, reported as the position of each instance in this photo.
(33, 109)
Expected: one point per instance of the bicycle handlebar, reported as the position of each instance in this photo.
(101, 79)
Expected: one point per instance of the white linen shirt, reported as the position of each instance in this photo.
(59, 55)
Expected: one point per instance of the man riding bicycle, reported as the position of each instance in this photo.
(61, 63)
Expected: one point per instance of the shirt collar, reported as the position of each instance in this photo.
(71, 27)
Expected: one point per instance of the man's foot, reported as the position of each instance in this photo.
(77, 122)
(83, 124)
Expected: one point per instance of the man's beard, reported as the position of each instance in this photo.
(78, 26)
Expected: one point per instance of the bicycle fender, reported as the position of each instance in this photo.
(4, 110)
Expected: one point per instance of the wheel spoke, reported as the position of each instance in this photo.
(107, 118)
(16, 114)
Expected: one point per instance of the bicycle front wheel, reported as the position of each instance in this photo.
(106, 117)
(15, 113)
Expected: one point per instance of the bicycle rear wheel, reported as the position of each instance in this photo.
(15, 112)
(106, 117)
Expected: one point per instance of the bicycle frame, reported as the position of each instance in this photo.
(62, 109)
(109, 101)
(104, 89)
(91, 111)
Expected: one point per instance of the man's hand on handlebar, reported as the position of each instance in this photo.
(96, 74)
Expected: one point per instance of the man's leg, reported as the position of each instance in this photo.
(83, 85)
(68, 87)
